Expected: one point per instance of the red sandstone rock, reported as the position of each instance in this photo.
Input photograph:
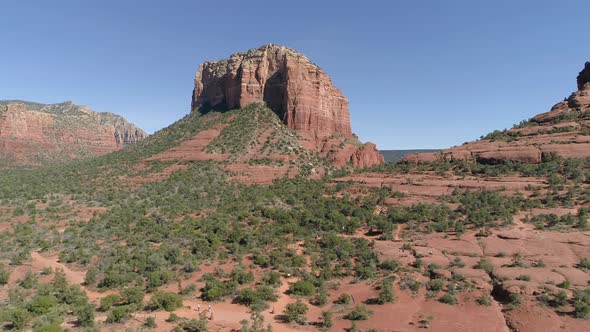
(584, 76)
(296, 89)
(367, 156)
(31, 134)
(562, 131)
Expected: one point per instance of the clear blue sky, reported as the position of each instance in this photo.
(417, 73)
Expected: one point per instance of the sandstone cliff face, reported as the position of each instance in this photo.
(34, 134)
(297, 90)
(564, 130)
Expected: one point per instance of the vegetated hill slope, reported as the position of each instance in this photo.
(565, 131)
(397, 155)
(167, 219)
(34, 134)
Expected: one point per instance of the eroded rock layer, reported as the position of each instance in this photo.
(34, 134)
(564, 131)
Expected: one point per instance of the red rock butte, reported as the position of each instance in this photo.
(292, 86)
(296, 89)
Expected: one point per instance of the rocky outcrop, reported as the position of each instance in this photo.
(564, 131)
(296, 89)
(584, 76)
(34, 134)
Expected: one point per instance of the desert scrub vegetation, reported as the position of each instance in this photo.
(243, 130)
(46, 304)
(561, 223)
(154, 234)
(576, 170)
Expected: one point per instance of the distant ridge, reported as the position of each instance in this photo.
(397, 155)
(36, 134)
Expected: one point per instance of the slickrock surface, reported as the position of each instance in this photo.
(35, 134)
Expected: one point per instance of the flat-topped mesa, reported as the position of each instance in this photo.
(564, 130)
(297, 90)
(294, 88)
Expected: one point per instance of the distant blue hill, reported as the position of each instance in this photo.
(397, 155)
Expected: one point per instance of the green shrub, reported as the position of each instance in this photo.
(42, 304)
(560, 298)
(295, 312)
(85, 314)
(327, 319)
(435, 285)
(29, 281)
(457, 262)
(321, 298)
(271, 278)
(108, 301)
(386, 294)
(302, 288)
(158, 278)
(172, 318)
(584, 264)
(485, 300)
(132, 296)
(514, 299)
(390, 265)
(565, 284)
(51, 327)
(118, 314)
(359, 312)
(4, 275)
(165, 300)
(344, 298)
(194, 325)
(150, 322)
(581, 301)
(240, 275)
(449, 298)
(523, 277)
(485, 265)
(18, 317)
